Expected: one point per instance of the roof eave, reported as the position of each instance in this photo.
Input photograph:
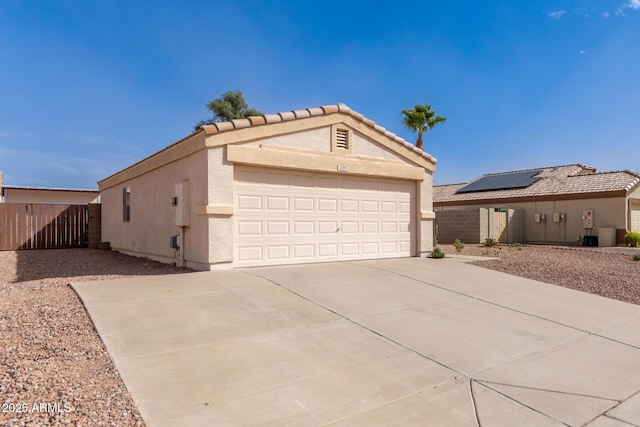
(533, 198)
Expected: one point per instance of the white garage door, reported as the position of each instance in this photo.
(287, 217)
(635, 218)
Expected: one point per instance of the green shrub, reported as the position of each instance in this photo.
(632, 238)
(489, 242)
(636, 257)
(458, 244)
(516, 245)
(437, 253)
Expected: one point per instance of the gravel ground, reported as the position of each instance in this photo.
(55, 370)
(609, 272)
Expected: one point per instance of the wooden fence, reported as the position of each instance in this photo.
(500, 229)
(38, 226)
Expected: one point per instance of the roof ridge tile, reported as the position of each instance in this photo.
(315, 111)
(241, 123)
(257, 120)
(223, 126)
(287, 116)
(272, 118)
(301, 114)
(330, 109)
(357, 115)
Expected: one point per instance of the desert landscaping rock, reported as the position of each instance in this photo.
(52, 359)
(54, 369)
(609, 272)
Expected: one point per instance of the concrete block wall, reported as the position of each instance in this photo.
(458, 224)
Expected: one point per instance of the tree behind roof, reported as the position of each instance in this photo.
(421, 119)
(231, 105)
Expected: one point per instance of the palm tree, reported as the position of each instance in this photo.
(421, 119)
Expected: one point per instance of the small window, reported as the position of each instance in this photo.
(126, 204)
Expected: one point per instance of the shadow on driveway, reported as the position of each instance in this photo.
(28, 265)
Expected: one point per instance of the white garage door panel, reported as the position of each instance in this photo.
(277, 228)
(248, 253)
(249, 228)
(303, 252)
(389, 247)
(301, 204)
(283, 218)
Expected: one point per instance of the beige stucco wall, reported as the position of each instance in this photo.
(314, 139)
(220, 195)
(63, 197)
(425, 214)
(608, 212)
(153, 218)
(364, 146)
(320, 140)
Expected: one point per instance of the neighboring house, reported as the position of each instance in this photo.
(314, 185)
(62, 196)
(559, 204)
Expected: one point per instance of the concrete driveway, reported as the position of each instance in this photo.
(392, 342)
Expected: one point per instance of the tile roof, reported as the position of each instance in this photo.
(267, 119)
(555, 181)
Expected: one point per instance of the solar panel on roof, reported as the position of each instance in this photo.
(505, 181)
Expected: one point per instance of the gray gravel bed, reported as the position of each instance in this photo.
(609, 272)
(54, 369)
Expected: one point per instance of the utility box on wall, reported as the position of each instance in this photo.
(587, 218)
(182, 202)
(606, 236)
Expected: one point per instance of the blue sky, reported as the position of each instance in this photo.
(90, 87)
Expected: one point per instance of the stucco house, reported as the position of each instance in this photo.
(313, 185)
(560, 204)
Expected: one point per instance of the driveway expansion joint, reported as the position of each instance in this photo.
(424, 356)
(521, 403)
(620, 402)
(488, 383)
(524, 313)
(473, 402)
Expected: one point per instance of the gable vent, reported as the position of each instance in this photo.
(342, 139)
